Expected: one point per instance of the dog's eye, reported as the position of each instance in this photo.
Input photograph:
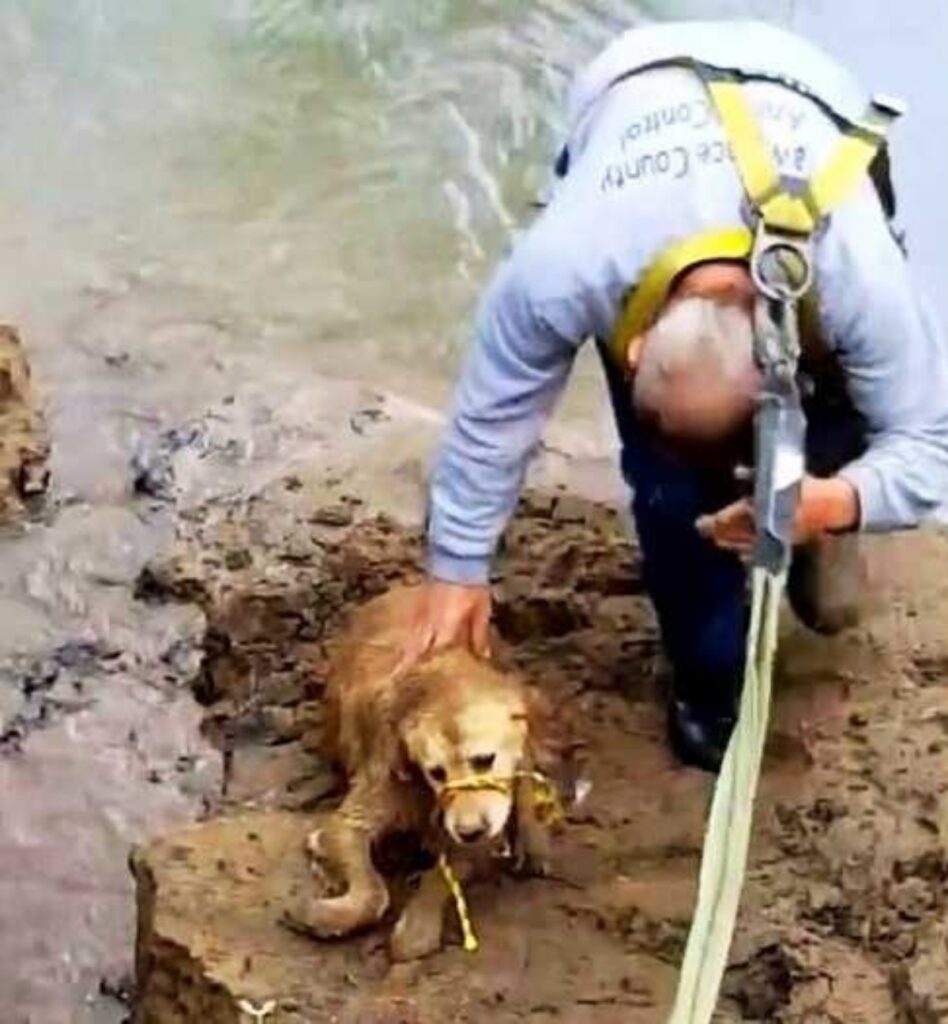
(437, 774)
(482, 762)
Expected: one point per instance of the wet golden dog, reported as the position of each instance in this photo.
(449, 751)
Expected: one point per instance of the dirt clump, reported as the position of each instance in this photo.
(24, 448)
(843, 913)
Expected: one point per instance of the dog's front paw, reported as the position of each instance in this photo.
(327, 884)
(336, 917)
(417, 934)
(529, 865)
(532, 854)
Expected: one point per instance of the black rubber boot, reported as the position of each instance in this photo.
(828, 583)
(700, 725)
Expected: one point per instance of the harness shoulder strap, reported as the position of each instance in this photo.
(852, 158)
(788, 205)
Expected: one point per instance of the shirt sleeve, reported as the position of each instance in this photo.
(515, 371)
(896, 364)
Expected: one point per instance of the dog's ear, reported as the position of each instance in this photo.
(553, 748)
(402, 768)
(547, 738)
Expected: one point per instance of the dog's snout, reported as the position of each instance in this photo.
(472, 833)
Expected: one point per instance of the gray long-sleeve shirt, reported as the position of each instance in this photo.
(649, 165)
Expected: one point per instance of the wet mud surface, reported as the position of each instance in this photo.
(100, 735)
(843, 918)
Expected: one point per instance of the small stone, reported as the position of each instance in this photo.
(912, 899)
(300, 549)
(240, 558)
(332, 515)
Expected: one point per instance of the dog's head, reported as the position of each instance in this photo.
(467, 732)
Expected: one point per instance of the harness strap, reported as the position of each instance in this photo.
(852, 158)
(755, 163)
(795, 207)
(730, 822)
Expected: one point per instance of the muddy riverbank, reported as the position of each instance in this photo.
(843, 918)
(100, 735)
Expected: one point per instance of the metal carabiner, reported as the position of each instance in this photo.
(781, 263)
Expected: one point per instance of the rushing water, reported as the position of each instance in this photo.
(316, 184)
(340, 175)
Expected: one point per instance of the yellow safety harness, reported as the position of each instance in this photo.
(789, 207)
(547, 807)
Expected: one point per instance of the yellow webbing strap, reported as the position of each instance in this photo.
(759, 173)
(727, 840)
(849, 162)
(760, 176)
(728, 834)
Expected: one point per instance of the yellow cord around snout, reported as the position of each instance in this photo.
(543, 790)
(547, 806)
(474, 784)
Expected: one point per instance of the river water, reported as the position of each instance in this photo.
(196, 193)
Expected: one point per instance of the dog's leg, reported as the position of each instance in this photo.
(532, 845)
(344, 847)
(421, 925)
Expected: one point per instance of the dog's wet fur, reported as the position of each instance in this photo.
(403, 740)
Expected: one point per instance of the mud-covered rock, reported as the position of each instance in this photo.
(24, 448)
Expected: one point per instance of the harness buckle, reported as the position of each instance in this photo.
(889, 107)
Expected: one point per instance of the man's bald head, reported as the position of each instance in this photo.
(695, 379)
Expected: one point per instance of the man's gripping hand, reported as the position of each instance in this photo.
(825, 506)
(447, 615)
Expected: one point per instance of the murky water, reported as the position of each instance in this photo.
(207, 199)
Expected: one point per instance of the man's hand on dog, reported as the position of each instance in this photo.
(448, 615)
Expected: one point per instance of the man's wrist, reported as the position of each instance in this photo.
(448, 568)
(830, 505)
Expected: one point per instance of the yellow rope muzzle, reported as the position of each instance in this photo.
(547, 806)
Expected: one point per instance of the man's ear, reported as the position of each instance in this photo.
(633, 353)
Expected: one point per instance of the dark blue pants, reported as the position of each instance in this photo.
(698, 590)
